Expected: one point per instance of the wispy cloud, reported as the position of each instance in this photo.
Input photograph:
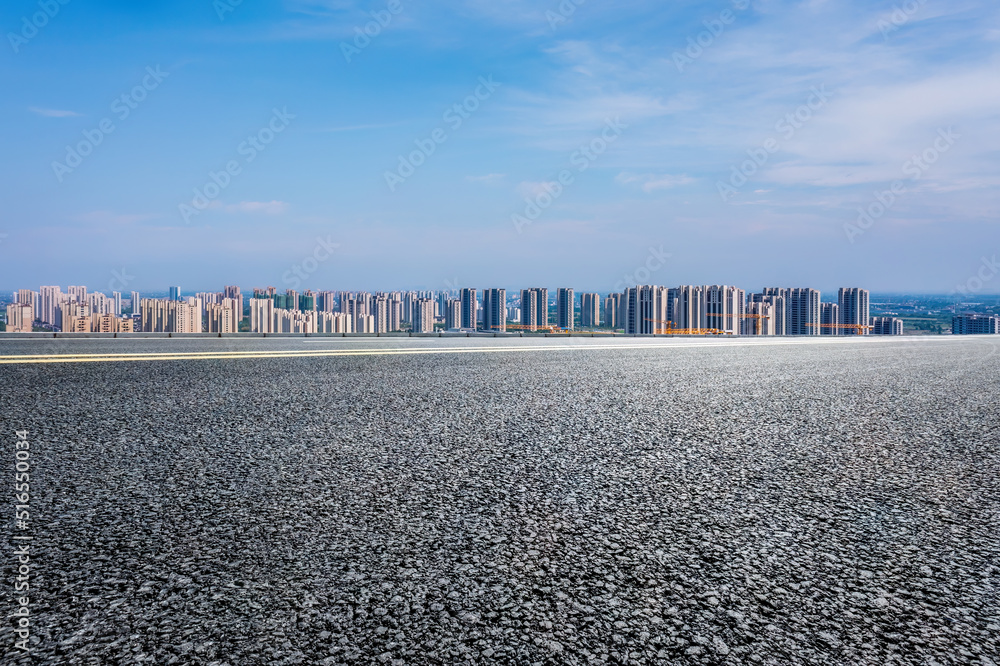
(650, 182)
(489, 178)
(52, 113)
(258, 207)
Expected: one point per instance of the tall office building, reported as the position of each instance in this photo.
(134, 303)
(453, 314)
(829, 319)
(802, 312)
(495, 310)
(970, 324)
(19, 318)
(470, 306)
(174, 294)
(854, 312)
(423, 315)
(116, 303)
(590, 310)
(535, 308)
(565, 308)
(886, 326)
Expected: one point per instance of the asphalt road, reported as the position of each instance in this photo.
(591, 501)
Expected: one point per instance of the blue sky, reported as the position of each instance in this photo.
(816, 106)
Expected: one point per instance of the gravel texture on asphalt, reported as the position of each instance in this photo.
(729, 504)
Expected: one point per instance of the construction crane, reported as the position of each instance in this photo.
(756, 317)
(670, 330)
(850, 327)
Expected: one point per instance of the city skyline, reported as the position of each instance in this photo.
(577, 141)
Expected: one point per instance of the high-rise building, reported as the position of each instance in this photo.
(294, 321)
(77, 294)
(535, 308)
(971, 324)
(175, 293)
(333, 322)
(307, 301)
(116, 303)
(75, 317)
(31, 299)
(109, 323)
(326, 302)
(19, 318)
(495, 310)
(565, 308)
(776, 298)
(235, 293)
(453, 315)
(590, 310)
(99, 303)
(470, 307)
(829, 319)
(724, 308)
(690, 308)
(423, 315)
(645, 310)
(760, 319)
(49, 301)
(886, 326)
(134, 303)
(261, 315)
(802, 312)
(222, 318)
(166, 316)
(854, 312)
(612, 311)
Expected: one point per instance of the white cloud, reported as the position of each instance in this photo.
(262, 207)
(489, 178)
(650, 182)
(52, 113)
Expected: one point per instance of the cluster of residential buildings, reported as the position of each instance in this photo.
(75, 310)
(639, 310)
